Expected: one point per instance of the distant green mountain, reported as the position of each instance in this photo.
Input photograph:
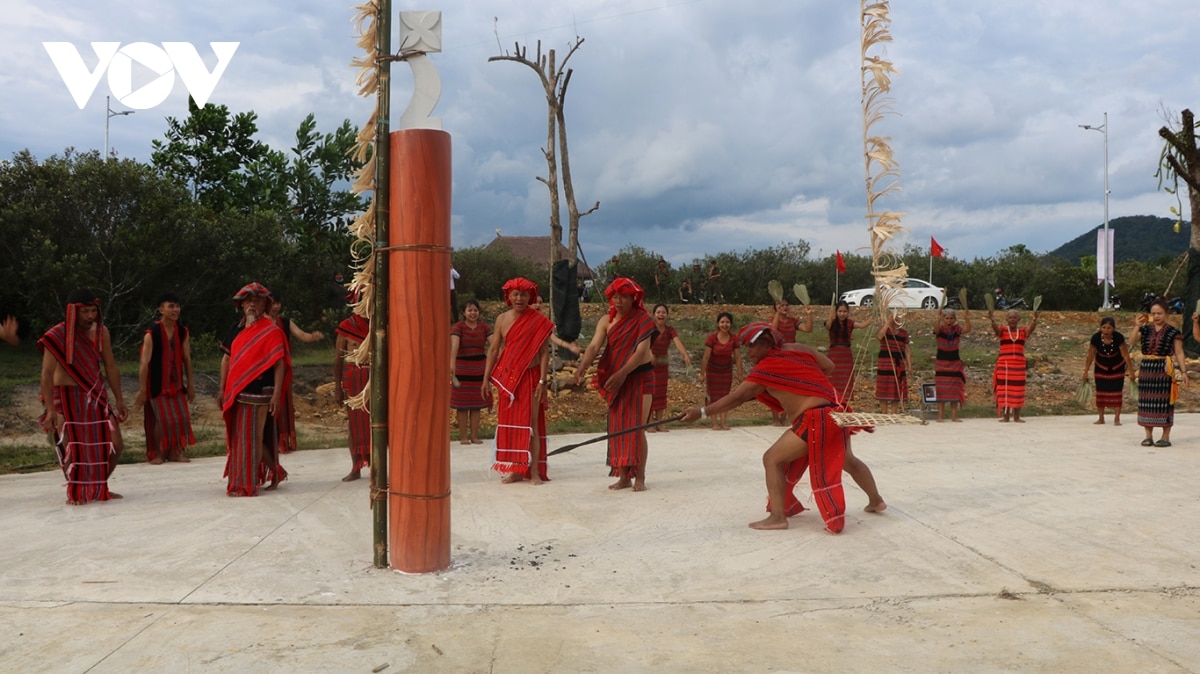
(1142, 238)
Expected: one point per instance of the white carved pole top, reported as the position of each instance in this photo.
(421, 34)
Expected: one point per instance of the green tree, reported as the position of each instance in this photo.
(215, 155)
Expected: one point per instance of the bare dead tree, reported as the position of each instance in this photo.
(1181, 161)
(555, 77)
(1182, 157)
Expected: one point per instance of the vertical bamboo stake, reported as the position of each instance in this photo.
(379, 360)
(419, 372)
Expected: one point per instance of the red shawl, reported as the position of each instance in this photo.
(525, 338)
(792, 371)
(83, 366)
(355, 328)
(623, 340)
(255, 350)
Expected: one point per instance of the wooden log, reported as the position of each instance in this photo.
(419, 351)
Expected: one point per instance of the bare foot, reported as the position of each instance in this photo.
(234, 494)
(639, 485)
(511, 478)
(75, 503)
(1018, 421)
(1116, 422)
(477, 441)
(1099, 423)
(663, 429)
(182, 458)
(876, 507)
(956, 420)
(155, 461)
(769, 524)
(465, 442)
(352, 476)
(652, 429)
(273, 486)
(620, 484)
(1004, 421)
(940, 420)
(534, 479)
(113, 494)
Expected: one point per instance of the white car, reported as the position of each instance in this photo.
(916, 294)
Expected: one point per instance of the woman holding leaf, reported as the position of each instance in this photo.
(1008, 379)
(950, 375)
(841, 333)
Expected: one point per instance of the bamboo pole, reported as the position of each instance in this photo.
(379, 312)
(419, 372)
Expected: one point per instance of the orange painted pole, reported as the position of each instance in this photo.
(419, 351)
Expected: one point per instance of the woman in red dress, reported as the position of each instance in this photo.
(468, 354)
(721, 357)
(841, 333)
(659, 347)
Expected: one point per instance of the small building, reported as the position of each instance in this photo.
(536, 249)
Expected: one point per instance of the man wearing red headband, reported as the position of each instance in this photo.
(79, 419)
(795, 381)
(517, 361)
(255, 370)
(625, 377)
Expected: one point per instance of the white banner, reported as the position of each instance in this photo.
(1104, 257)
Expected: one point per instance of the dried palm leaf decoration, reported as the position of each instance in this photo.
(362, 284)
(882, 171)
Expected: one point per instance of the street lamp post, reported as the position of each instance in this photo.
(1103, 128)
(109, 114)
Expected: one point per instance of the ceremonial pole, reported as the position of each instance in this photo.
(419, 325)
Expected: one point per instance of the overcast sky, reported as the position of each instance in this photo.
(701, 126)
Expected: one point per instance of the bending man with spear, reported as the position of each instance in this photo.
(794, 381)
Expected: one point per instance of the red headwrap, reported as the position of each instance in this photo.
(251, 290)
(77, 300)
(623, 286)
(752, 332)
(521, 284)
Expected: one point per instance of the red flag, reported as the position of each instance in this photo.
(841, 264)
(934, 249)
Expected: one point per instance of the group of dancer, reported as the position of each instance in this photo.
(254, 393)
(1157, 388)
(792, 379)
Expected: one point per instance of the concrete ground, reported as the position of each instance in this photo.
(1054, 546)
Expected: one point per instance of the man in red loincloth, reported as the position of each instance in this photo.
(255, 370)
(625, 377)
(166, 386)
(517, 361)
(794, 380)
(81, 423)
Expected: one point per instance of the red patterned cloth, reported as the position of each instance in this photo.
(165, 414)
(1009, 375)
(798, 372)
(718, 376)
(469, 365)
(891, 374)
(354, 379)
(254, 351)
(517, 374)
(660, 347)
(625, 404)
(84, 446)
